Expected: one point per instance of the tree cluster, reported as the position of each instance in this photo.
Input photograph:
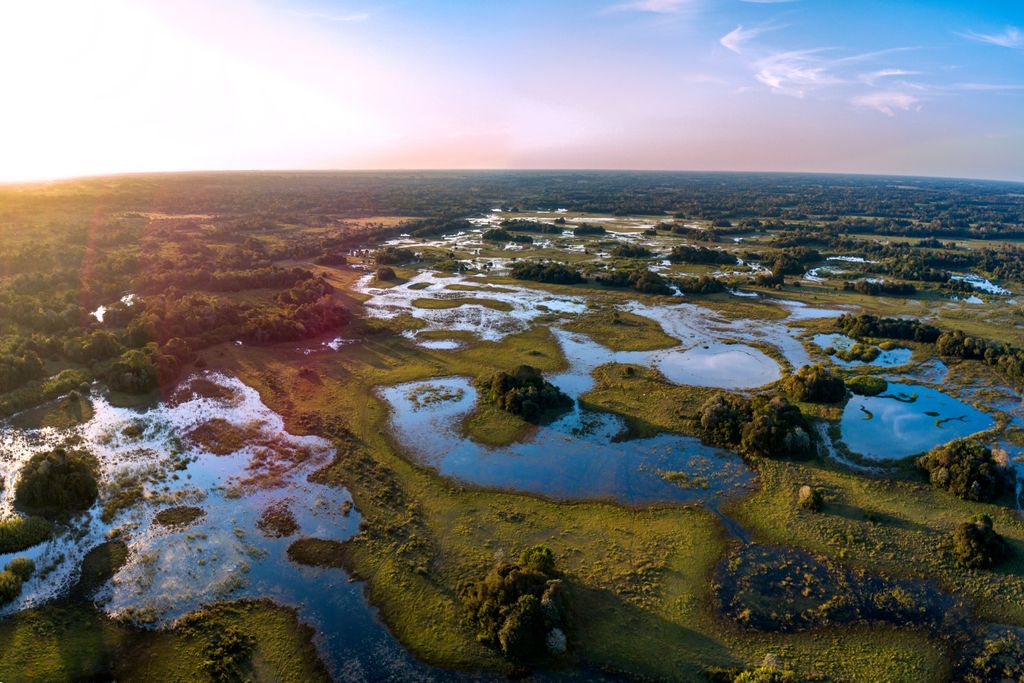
(551, 272)
(521, 608)
(967, 469)
(523, 392)
(816, 384)
(762, 426)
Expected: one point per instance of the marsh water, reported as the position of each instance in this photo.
(907, 419)
(223, 555)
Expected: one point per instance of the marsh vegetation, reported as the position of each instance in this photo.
(737, 416)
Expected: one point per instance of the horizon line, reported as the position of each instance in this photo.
(5, 184)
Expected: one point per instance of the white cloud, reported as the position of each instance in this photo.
(734, 39)
(793, 72)
(873, 77)
(887, 102)
(1011, 37)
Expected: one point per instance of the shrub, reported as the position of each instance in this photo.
(684, 253)
(867, 385)
(631, 251)
(497, 235)
(766, 675)
(522, 608)
(10, 586)
(385, 274)
(538, 558)
(976, 545)
(704, 284)
(546, 271)
(810, 498)
(588, 229)
(524, 392)
(776, 429)
(816, 384)
(57, 482)
(23, 532)
(331, 259)
(721, 419)
(867, 325)
(966, 469)
(226, 653)
(765, 426)
(23, 567)
(393, 256)
(862, 352)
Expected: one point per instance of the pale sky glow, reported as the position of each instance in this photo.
(110, 86)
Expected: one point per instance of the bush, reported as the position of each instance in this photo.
(641, 279)
(684, 253)
(23, 532)
(523, 392)
(385, 274)
(867, 385)
(816, 384)
(704, 284)
(23, 567)
(57, 482)
(867, 325)
(587, 229)
(522, 609)
(766, 675)
(976, 545)
(393, 256)
(496, 235)
(226, 654)
(862, 352)
(966, 469)
(546, 271)
(777, 429)
(721, 419)
(10, 586)
(631, 251)
(810, 498)
(765, 426)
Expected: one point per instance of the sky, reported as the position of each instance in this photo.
(911, 87)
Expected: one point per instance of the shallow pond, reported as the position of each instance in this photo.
(523, 303)
(886, 358)
(906, 420)
(577, 455)
(573, 458)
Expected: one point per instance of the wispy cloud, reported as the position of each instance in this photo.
(887, 101)
(873, 77)
(734, 39)
(1011, 37)
(341, 18)
(793, 72)
(653, 6)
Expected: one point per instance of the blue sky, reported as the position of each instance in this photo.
(931, 88)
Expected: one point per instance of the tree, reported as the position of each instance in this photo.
(966, 469)
(816, 384)
(521, 609)
(976, 545)
(10, 586)
(56, 482)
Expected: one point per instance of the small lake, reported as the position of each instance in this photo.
(908, 419)
(573, 458)
(886, 358)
